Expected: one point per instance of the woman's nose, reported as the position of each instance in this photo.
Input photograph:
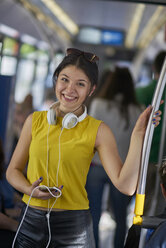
(70, 87)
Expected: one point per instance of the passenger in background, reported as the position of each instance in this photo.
(21, 111)
(8, 224)
(116, 105)
(144, 96)
(102, 84)
(49, 98)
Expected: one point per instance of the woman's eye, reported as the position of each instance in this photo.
(81, 84)
(64, 79)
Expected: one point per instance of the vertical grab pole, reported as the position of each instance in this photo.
(140, 195)
(160, 156)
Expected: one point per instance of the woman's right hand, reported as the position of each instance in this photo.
(44, 195)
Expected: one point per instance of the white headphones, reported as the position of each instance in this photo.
(70, 120)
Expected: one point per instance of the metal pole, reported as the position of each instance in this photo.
(140, 196)
(160, 157)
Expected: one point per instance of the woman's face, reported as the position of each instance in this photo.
(72, 88)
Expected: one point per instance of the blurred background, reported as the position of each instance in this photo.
(34, 35)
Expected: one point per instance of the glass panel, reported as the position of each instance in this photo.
(10, 46)
(43, 56)
(24, 79)
(54, 63)
(0, 46)
(39, 84)
(8, 65)
(28, 51)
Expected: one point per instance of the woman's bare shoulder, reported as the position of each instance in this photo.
(104, 135)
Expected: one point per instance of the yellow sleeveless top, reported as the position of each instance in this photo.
(76, 152)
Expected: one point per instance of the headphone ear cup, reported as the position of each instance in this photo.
(70, 120)
(51, 117)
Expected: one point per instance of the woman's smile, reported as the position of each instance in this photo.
(69, 98)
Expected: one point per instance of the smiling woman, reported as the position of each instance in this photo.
(72, 88)
(59, 156)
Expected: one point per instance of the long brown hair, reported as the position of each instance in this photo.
(120, 82)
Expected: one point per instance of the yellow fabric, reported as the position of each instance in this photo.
(77, 151)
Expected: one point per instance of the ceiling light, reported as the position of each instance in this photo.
(9, 31)
(47, 20)
(61, 16)
(153, 32)
(134, 26)
(148, 30)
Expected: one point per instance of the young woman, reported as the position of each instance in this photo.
(59, 146)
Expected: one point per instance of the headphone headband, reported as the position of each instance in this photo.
(82, 117)
(70, 120)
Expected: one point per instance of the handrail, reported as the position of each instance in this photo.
(160, 158)
(152, 222)
(140, 195)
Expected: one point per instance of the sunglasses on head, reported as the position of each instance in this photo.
(89, 56)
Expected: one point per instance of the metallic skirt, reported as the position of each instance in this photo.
(69, 229)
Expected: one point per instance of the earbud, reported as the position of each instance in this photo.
(70, 120)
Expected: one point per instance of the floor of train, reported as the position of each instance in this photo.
(107, 227)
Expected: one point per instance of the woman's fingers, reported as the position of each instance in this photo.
(162, 101)
(158, 113)
(37, 182)
(156, 118)
(44, 192)
(142, 121)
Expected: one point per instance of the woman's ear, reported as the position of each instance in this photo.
(92, 90)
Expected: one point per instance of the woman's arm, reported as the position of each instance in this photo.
(124, 176)
(8, 223)
(14, 173)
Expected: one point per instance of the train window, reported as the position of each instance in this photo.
(10, 46)
(43, 56)
(0, 46)
(28, 51)
(25, 76)
(39, 84)
(8, 65)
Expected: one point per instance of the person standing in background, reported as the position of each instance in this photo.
(8, 224)
(21, 111)
(116, 105)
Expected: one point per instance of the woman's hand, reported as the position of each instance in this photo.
(142, 121)
(42, 192)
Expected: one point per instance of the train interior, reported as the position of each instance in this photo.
(34, 36)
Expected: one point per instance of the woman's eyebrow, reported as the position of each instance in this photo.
(64, 75)
(83, 80)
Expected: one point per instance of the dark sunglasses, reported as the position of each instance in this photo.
(89, 56)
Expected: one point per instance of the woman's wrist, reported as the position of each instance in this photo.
(138, 134)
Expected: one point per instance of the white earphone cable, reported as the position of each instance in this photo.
(47, 187)
(59, 157)
(56, 196)
(47, 154)
(50, 209)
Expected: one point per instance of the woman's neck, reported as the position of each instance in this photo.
(78, 111)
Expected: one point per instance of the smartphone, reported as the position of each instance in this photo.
(44, 189)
